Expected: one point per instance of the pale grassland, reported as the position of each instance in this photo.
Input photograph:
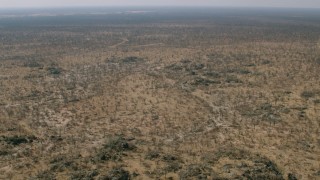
(160, 102)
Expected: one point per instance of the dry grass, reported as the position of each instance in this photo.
(160, 103)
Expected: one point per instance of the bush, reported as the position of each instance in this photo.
(117, 174)
(16, 140)
(175, 67)
(4, 153)
(268, 170)
(212, 74)
(244, 71)
(119, 143)
(266, 62)
(55, 70)
(259, 168)
(152, 155)
(292, 177)
(33, 64)
(44, 175)
(233, 79)
(317, 101)
(131, 59)
(201, 81)
(196, 171)
(172, 167)
(114, 148)
(78, 175)
(169, 158)
(307, 94)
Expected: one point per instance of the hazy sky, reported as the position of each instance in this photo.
(245, 3)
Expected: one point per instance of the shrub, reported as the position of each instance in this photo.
(233, 79)
(244, 71)
(33, 64)
(317, 101)
(196, 171)
(119, 143)
(318, 60)
(152, 155)
(55, 70)
(131, 59)
(114, 148)
(212, 74)
(173, 167)
(4, 153)
(169, 158)
(266, 62)
(117, 174)
(44, 175)
(307, 94)
(78, 175)
(292, 177)
(16, 140)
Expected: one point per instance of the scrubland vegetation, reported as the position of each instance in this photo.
(210, 97)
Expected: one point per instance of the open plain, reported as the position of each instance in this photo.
(160, 93)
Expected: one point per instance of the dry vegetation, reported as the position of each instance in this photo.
(161, 100)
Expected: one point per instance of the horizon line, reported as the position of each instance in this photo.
(154, 6)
